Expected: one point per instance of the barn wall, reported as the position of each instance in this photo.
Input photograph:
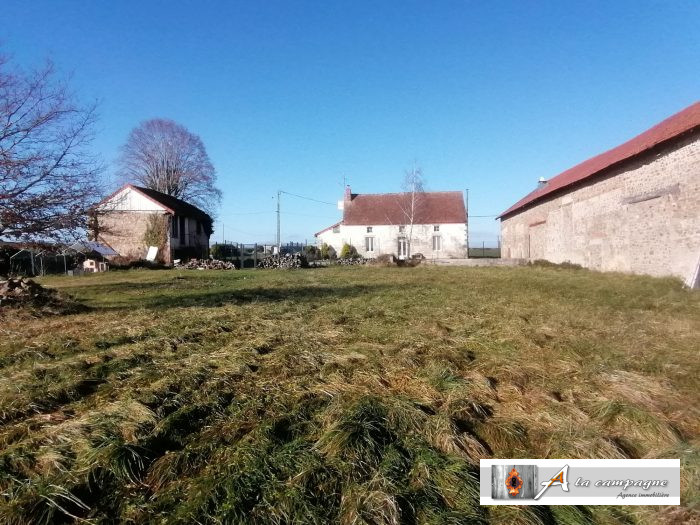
(386, 237)
(641, 218)
(124, 232)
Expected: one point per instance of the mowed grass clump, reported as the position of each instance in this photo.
(340, 395)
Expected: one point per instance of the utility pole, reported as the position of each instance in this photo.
(279, 192)
(467, 190)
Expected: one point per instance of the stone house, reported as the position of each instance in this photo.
(634, 208)
(134, 218)
(433, 224)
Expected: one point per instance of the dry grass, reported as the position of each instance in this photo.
(353, 395)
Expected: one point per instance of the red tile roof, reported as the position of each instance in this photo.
(672, 127)
(432, 207)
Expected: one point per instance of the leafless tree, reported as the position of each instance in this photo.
(48, 178)
(162, 155)
(411, 201)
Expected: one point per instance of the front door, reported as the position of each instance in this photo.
(403, 248)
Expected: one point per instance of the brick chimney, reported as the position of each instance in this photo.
(348, 194)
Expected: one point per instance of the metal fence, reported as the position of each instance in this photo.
(485, 250)
(245, 255)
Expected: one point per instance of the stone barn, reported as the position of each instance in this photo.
(134, 218)
(635, 208)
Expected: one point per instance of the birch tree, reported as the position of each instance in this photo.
(411, 201)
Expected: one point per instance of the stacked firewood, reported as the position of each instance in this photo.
(284, 262)
(358, 261)
(206, 264)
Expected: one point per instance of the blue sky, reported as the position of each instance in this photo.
(296, 95)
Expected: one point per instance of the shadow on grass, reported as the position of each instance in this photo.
(125, 296)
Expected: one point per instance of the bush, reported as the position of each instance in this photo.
(223, 252)
(348, 252)
(128, 263)
(311, 252)
(327, 252)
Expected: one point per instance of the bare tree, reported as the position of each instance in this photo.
(411, 201)
(164, 156)
(48, 179)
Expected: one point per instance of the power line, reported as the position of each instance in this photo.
(307, 198)
(251, 212)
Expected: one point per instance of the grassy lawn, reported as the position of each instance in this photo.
(351, 395)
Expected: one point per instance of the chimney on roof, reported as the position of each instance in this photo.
(348, 193)
(541, 182)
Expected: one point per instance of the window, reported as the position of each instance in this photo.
(437, 243)
(174, 232)
(369, 229)
(369, 244)
(336, 229)
(436, 228)
(402, 229)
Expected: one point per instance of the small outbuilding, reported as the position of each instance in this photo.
(635, 208)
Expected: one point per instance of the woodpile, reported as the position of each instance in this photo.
(284, 262)
(357, 261)
(21, 292)
(207, 264)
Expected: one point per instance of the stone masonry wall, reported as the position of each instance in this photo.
(124, 232)
(643, 217)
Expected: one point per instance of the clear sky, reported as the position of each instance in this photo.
(296, 95)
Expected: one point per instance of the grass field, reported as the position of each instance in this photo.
(351, 395)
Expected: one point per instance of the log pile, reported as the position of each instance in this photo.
(21, 292)
(284, 262)
(358, 261)
(207, 264)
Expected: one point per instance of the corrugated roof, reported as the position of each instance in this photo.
(678, 124)
(432, 207)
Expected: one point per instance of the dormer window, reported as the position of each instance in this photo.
(369, 229)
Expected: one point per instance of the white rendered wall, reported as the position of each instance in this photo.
(453, 239)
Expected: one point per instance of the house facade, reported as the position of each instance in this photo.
(433, 224)
(635, 208)
(134, 218)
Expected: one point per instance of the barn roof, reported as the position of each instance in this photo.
(674, 126)
(171, 204)
(175, 205)
(432, 207)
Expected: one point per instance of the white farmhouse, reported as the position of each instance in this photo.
(433, 224)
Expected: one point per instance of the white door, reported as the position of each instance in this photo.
(403, 248)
